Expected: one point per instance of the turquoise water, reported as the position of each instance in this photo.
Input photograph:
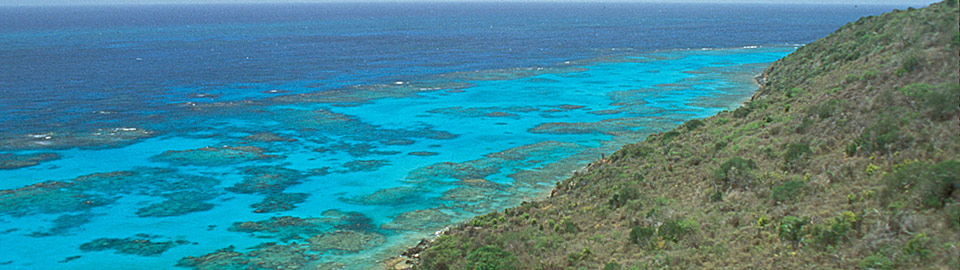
(351, 175)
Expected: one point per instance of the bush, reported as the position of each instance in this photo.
(735, 172)
(488, 220)
(576, 257)
(693, 124)
(919, 246)
(788, 191)
(674, 229)
(876, 261)
(716, 196)
(911, 62)
(633, 150)
(668, 136)
(921, 185)
(446, 253)
(491, 258)
(825, 109)
(794, 92)
(751, 106)
(624, 195)
(641, 234)
(884, 136)
(566, 226)
(835, 231)
(796, 152)
(936, 101)
(791, 228)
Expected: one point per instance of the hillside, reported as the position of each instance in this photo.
(846, 157)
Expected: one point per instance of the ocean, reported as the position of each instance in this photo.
(333, 136)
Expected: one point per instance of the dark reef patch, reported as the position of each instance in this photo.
(15, 161)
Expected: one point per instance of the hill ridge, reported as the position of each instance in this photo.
(847, 156)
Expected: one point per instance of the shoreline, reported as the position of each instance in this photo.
(409, 258)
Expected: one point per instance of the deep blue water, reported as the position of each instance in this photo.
(61, 64)
(375, 124)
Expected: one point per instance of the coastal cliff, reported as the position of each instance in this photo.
(847, 156)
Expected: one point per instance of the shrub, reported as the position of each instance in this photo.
(796, 152)
(491, 258)
(634, 150)
(876, 261)
(576, 257)
(791, 228)
(836, 230)
(674, 229)
(794, 92)
(668, 136)
(488, 220)
(622, 196)
(936, 101)
(612, 266)
(566, 226)
(884, 136)
(921, 185)
(641, 234)
(788, 191)
(693, 124)
(716, 196)
(911, 62)
(446, 253)
(825, 109)
(751, 106)
(919, 246)
(735, 172)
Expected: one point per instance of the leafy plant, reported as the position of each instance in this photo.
(641, 234)
(796, 153)
(788, 191)
(491, 258)
(612, 266)
(735, 172)
(922, 185)
(876, 262)
(675, 229)
(836, 230)
(576, 257)
(791, 228)
(566, 226)
(919, 246)
(622, 196)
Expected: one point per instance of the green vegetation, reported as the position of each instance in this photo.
(791, 228)
(491, 258)
(847, 157)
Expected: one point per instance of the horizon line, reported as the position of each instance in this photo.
(295, 2)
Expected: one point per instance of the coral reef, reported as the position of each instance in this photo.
(344, 240)
(423, 153)
(214, 156)
(365, 165)
(133, 246)
(99, 138)
(390, 196)
(15, 161)
(179, 203)
(264, 256)
(278, 202)
(419, 220)
(267, 137)
(183, 193)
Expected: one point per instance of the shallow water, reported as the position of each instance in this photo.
(523, 121)
(261, 169)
